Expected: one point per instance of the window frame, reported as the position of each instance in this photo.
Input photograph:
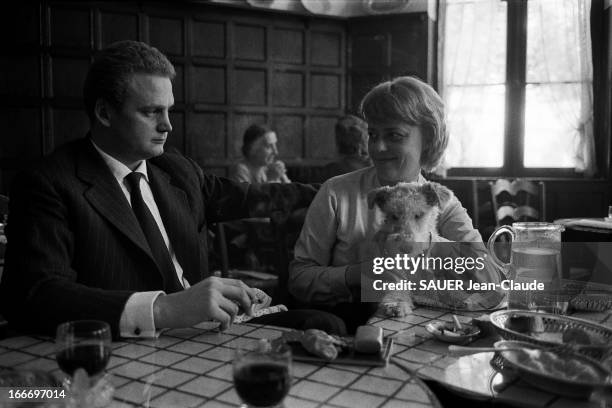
(514, 116)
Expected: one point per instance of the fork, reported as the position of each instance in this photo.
(459, 351)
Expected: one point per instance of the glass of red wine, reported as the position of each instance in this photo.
(83, 344)
(262, 373)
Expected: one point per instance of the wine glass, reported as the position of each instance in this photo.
(83, 344)
(262, 373)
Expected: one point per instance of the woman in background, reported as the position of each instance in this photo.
(259, 164)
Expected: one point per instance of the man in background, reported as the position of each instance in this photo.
(352, 147)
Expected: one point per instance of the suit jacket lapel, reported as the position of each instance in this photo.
(106, 196)
(178, 221)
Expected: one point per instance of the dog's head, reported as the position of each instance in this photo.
(410, 209)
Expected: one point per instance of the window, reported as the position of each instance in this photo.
(516, 78)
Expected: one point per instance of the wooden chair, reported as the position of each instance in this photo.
(4, 201)
(287, 229)
(285, 226)
(250, 275)
(518, 200)
(475, 206)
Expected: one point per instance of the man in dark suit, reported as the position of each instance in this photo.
(111, 227)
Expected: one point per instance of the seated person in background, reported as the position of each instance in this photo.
(259, 164)
(336, 248)
(111, 227)
(352, 147)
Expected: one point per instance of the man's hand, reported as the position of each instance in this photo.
(213, 298)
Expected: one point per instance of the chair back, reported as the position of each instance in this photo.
(254, 236)
(4, 203)
(287, 229)
(272, 239)
(518, 200)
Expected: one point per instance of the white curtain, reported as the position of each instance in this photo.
(471, 75)
(568, 42)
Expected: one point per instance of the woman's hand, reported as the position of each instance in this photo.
(277, 171)
(356, 272)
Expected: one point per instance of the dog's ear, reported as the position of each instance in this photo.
(378, 197)
(436, 194)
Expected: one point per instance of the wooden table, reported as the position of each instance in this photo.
(587, 249)
(585, 229)
(192, 367)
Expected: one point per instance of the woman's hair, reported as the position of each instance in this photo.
(109, 75)
(252, 133)
(412, 101)
(350, 131)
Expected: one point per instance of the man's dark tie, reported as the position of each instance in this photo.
(153, 234)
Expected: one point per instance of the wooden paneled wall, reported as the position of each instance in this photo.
(384, 47)
(234, 67)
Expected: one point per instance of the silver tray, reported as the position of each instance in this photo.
(551, 330)
(592, 302)
(548, 380)
(588, 296)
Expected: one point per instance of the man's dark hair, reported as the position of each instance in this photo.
(253, 133)
(113, 67)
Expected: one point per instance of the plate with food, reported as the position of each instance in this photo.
(367, 347)
(453, 332)
(559, 371)
(551, 330)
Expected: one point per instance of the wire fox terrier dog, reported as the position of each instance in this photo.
(410, 215)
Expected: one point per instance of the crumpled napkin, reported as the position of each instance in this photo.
(84, 391)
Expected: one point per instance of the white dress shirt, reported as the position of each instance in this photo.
(137, 317)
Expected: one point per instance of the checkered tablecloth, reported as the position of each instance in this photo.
(192, 367)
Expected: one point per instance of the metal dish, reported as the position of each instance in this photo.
(554, 374)
(550, 330)
(592, 302)
(446, 332)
